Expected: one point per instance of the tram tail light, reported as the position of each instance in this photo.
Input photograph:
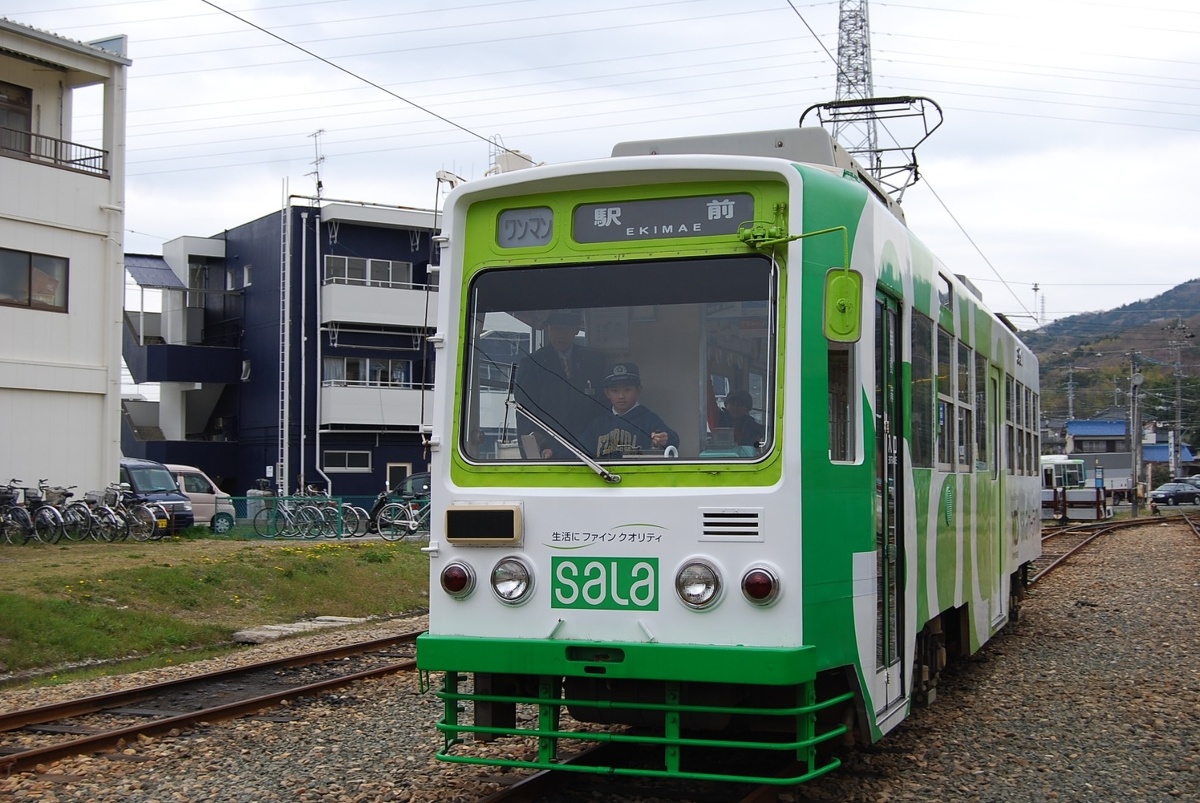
(760, 585)
(458, 580)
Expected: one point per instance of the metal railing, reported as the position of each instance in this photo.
(57, 152)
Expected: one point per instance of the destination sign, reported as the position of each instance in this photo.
(523, 228)
(660, 218)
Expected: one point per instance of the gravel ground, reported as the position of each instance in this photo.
(1093, 696)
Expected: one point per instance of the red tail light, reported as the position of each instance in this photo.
(760, 586)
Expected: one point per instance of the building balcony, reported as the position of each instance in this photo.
(364, 404)
(17, 144)
(378, 304)
(151, 359)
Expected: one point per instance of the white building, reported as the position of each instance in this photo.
(61, 251)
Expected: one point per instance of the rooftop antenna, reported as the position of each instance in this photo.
(318, 158)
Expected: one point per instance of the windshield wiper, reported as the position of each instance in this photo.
(572, 448)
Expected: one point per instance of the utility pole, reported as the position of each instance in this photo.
(1135, 431)
(1071, 392)
(1178, 339)
(855, 82)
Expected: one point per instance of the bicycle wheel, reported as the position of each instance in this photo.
(267, 522)
(331, 525)
(47, 525)
(311, 521)
(421, 521)
(395, 521)
(350, 520)
(18, 527)
(162, 520)
(77, 521)
(106, 524)
(363, 518)
(142, 523)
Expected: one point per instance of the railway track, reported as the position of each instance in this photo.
(1060, 543)
(106, 721)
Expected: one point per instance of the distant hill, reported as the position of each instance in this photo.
(1086, 360)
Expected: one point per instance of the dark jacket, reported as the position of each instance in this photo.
(613, 435)
(567, 404)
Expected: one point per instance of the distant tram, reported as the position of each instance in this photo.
(1069, 494)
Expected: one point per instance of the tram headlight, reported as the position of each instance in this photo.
(760, 585)
(698, 584)
(512, 580)
(458, 580)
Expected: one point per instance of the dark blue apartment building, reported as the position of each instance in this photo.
(293, 347)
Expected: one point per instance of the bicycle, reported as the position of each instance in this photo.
(143, 520)
(14, 518)
(47, 521)
(337, 518)
(77, 517)
(404, 518)
(104, 523)
(289, 517)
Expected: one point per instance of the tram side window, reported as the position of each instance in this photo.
(966, 411)
(1019, 403)
(945, 400)
(841, 403)
(1010, 431)
(1031, 421)
(981, 412)
(923, 428)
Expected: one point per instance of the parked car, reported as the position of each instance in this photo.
(156, 483)
(1175, 493)
(414, 485)
(211, 506)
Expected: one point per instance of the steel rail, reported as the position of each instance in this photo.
(27, 759)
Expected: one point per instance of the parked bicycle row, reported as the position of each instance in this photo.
(47, 514)
(315, 514)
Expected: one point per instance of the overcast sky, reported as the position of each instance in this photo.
(1067, 156)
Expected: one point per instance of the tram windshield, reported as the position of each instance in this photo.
(662, 360)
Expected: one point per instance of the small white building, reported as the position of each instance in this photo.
(61, 251)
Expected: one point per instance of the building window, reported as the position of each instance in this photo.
(15, 106)
(37, 281)
(374, 371)
(368, 272)
(247, 270)
(348, 462)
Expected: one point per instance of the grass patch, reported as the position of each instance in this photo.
(47, 632)
(84, 602)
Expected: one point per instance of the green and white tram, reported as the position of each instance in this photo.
(850, 491)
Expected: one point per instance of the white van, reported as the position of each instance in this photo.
(211, 506)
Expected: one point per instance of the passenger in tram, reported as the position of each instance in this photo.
(629, 428)
(560, 384)
(736, 416)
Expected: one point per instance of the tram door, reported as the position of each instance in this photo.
(998, 517)
(889, 668)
